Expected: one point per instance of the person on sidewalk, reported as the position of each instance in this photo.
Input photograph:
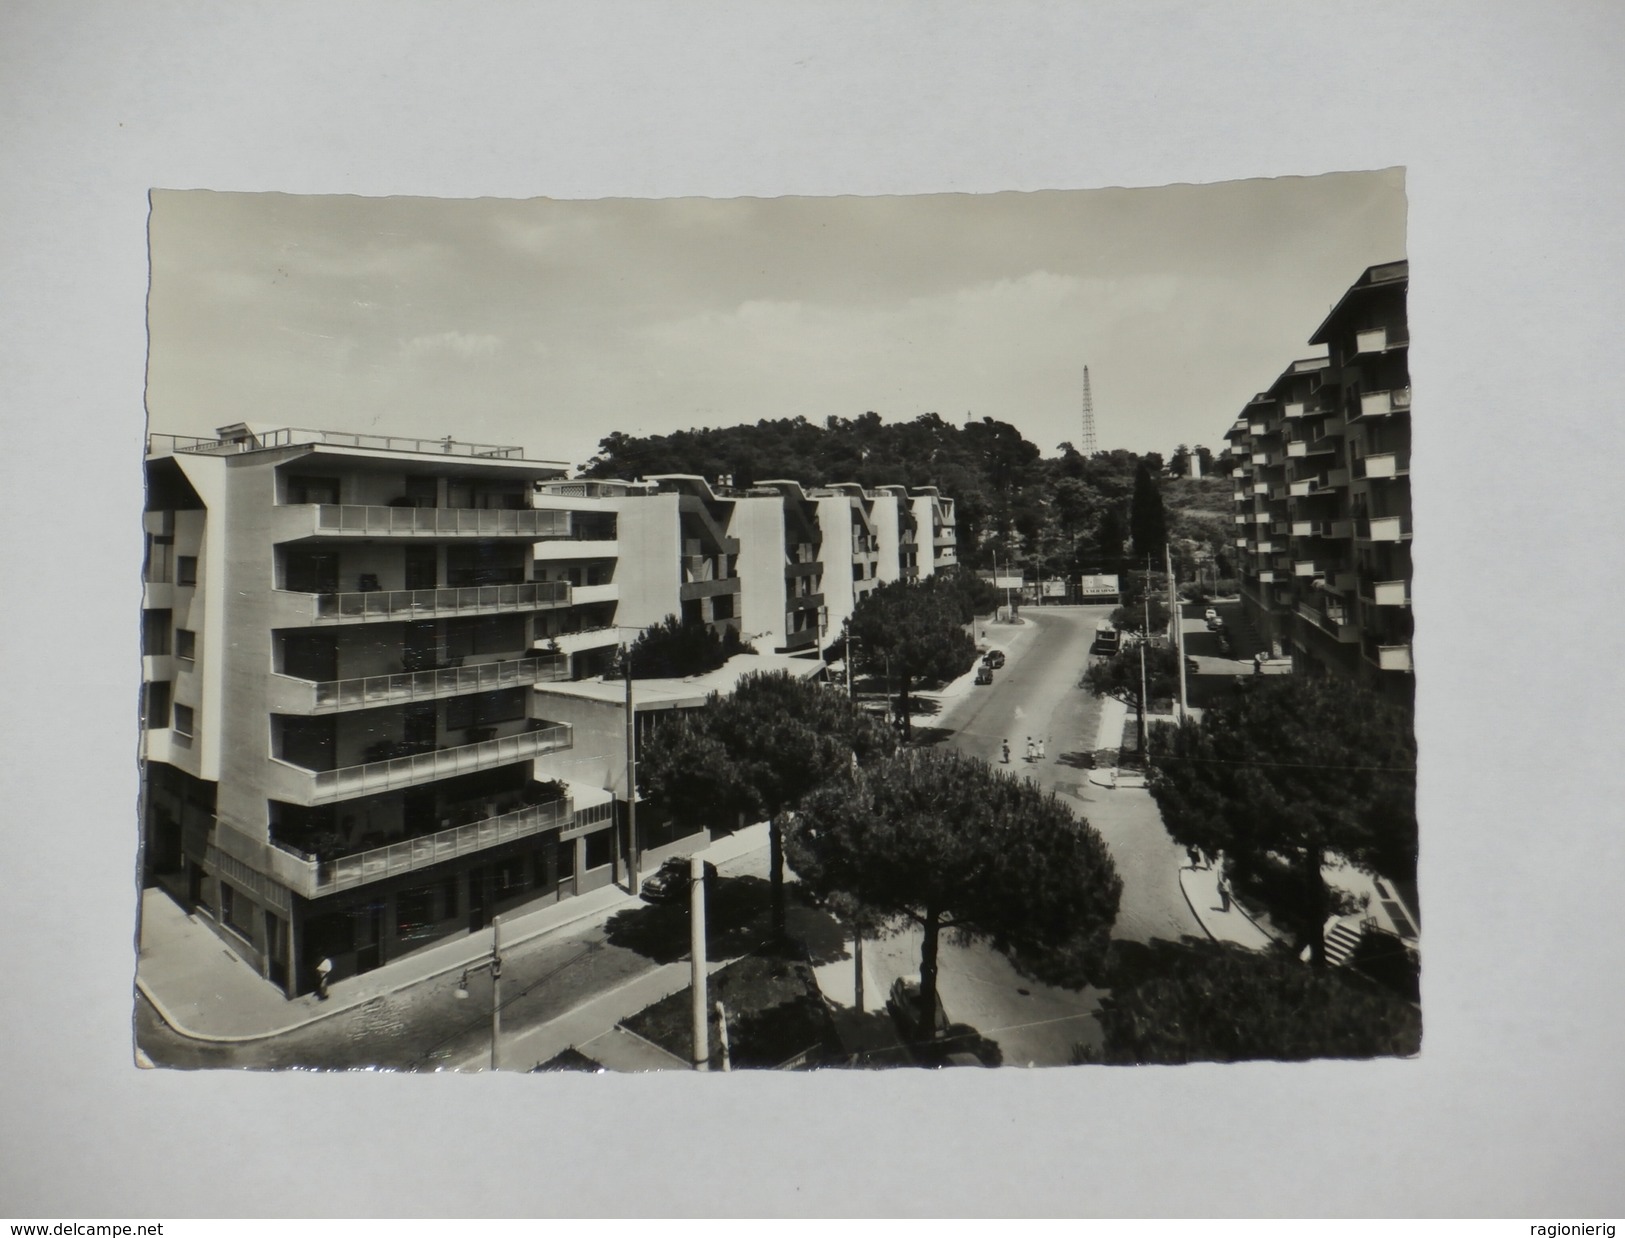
(324, 970)
(1007, 752)
(1029, 749)
(1040, 747)
(1224, 892)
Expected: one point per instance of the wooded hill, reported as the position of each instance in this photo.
(1066, 513)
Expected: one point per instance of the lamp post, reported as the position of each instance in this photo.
(494, 966)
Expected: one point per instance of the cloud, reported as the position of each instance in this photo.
(451, 343)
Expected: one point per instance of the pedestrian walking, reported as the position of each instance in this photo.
(324, 971)
(1030, 748)
(1194, 856)
(1224, 892)
(1007, 752)
(1040, 747)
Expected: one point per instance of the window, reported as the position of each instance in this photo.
(598, 849)
(313, 489)
(185, 644)
(186, 570)
(183, 720)
(155, 626)
(414, 914)
(513, 876)
(159, 550)
(485, 709)
(156, 704)
(236, 911)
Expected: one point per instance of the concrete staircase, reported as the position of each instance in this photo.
(1342, 938)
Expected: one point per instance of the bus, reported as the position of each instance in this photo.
(1107, 638)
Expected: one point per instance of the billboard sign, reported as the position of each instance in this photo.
(1099, 586)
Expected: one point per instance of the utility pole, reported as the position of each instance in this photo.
(696, 950)
(631, 784)
(1145, 639)
(1177, 619)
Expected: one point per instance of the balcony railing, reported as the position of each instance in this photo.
(1388, 657)
(1381, 465)
(359, 520)
(310, 877)
(1381, 403)
(290, 437)
(1333, 621)
(1381, 339)
(303, 695)
(382, 605)
(1383, 528)
(328, 785)
(1390, 592)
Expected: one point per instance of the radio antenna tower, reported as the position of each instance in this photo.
(1087, 446)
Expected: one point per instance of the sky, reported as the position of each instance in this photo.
(550, 324)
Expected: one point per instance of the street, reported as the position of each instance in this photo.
(1037, 694)
(570, 986)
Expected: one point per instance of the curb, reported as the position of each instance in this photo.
(331, 1011)
(1186, 894)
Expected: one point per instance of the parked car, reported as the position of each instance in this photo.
(670, 881)
(1210, 615)
(994, 658)
(1224, 644)
(984, 674)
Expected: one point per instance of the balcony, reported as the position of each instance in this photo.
(1391, 592)
(1304, 567)
(304, 696)
(1389, 657)
(1383, 528)
(1241, 541)
(584, 595)
(1260, 517)
(1265, 548)
(1267, 576)
(1333, 621)
(1382, 465)
(1260, 457)
(1384, 403)
(311, 877)
(1297, 449)
(1380, 339)
(293, 609)
(584, 639)
(1239, 496)
(1243, 518)
(562, 549)
(295, 784)
(293, 521)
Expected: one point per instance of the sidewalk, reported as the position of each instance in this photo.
(1201, 890)
(204, 990)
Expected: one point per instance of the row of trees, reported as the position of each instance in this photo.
(919, 631)
(885, 836)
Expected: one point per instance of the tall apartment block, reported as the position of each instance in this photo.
(1323, 513)
(351, 644)
(341, 646)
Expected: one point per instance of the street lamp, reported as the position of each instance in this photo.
(493, 964)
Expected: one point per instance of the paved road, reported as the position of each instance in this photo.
(1037, 694)
(426, 1027)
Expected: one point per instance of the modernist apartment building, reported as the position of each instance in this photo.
(349, 643)
(342, 643)
(1323, 513)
